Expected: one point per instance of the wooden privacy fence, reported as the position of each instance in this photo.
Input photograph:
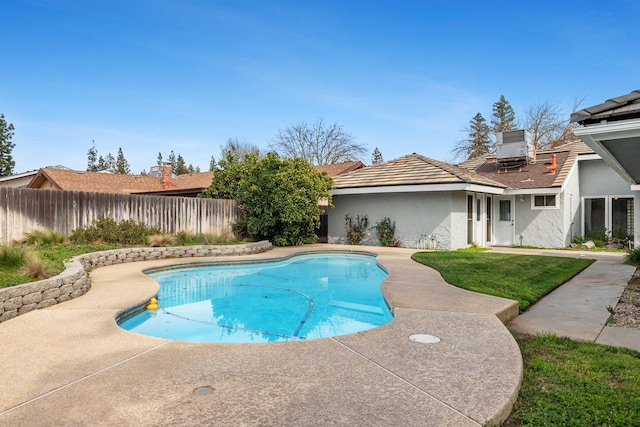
(23, 210)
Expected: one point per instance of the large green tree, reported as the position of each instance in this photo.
(376, 157)
(92, 158)
(172, 160)
(478, 142)
(6, 146)
(227, 175)
(181, 166)
(503, 118)
(122, 165)
(279, 196)
(107, 163)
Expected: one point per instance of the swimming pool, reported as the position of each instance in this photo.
(302, 297)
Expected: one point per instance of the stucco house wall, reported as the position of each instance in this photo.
(538, 227)
(598, 179)
(571, 206)
(416, 215)
(458, 231)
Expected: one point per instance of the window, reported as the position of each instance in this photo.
(488, 218)
(595, 220)
(505, 210)
(622, 218)
(469, 219)
(545, 201)
(606, 217)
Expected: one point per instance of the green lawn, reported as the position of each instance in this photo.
(524, 278)
(53, 257)
(570, 383)
(566, 383)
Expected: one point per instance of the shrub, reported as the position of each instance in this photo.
(578, 240)
(107, 230)
(633, 257)
(186, 239)
(35, 268)
(599, 236)
(40, 237)
(355, 228)
(13, 256)
(386, 231)
(161, 240)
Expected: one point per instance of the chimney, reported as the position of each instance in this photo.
(166, 176)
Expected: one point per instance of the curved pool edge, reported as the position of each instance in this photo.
(139, 306)
(338, 303)
(390, 368)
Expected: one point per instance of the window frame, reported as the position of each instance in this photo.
(535, 207)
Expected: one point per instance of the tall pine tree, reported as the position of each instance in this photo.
(92, 158)
(478, 142)
(376, 157)
(122, 166)
(181, 166)
(6, 146)
(503, 118)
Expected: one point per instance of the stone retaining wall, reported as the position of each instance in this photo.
(74, 280)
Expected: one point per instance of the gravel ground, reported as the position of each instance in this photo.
(627, 312)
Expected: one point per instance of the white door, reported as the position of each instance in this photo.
(504, 230)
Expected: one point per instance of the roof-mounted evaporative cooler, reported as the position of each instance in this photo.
(515, 145)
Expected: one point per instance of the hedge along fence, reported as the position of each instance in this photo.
(74, 281)
(23, 210)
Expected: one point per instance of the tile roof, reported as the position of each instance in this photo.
(619, 108)
(101, 182)
(340, 168)
(412, 169)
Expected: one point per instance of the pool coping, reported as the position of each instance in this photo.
(375, 377)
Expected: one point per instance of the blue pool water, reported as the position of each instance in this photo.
(303, 297)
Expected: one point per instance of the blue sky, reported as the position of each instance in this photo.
(153, 76)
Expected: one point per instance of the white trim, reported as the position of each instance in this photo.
(582, 157)
(539, 208)
(594, 135)
(550, 190)
(611, 130)
(635, 187)
(417, 189)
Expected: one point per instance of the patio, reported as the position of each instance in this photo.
(71, 364)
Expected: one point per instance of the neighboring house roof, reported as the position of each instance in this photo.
(411, 170)
(623, 107)
(340, 168)
(18, 179)
(186, 184)
(100, 182)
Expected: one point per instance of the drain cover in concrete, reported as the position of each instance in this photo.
(202, 390)
(424, 338)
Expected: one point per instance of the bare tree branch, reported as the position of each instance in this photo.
(318, 143)
(549, 126)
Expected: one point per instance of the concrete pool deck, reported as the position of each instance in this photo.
(71, 364)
